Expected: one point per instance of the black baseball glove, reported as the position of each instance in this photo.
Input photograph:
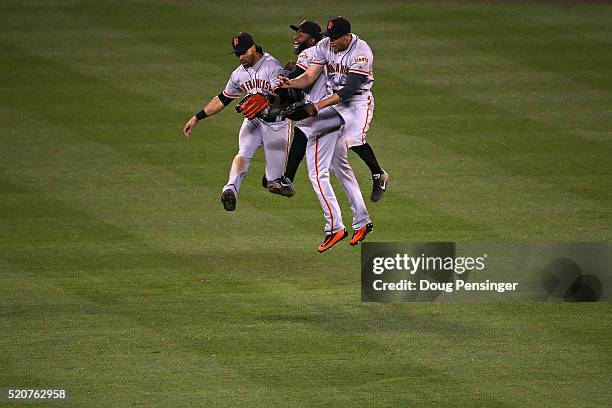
(294, 95)
(300, 110)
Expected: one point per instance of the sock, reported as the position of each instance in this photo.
(367, 155)
(296, 153)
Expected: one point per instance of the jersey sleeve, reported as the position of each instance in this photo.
(361, 61)
(273, 75)
(232, 89)
(305, 58)
(319, 57)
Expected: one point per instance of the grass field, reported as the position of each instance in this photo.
(125, 281)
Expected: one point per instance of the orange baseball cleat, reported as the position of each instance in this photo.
(331, 240)
(361, 233)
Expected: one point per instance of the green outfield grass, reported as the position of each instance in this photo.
(125, 281)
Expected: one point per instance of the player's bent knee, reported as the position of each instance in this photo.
(352, 143)
(240, 161)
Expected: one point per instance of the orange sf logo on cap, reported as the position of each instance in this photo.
(235, 41)
(330, 25)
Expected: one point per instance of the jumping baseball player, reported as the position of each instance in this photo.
(326, 149)
(263, 125)
(307, 35)
(348, 60)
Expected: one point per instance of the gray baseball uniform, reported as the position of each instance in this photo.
(269, 130)
(357, 112)
(326, 151)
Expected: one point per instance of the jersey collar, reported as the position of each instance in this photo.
(354, 38)
(261, 60)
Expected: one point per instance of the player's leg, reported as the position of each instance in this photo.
(249, 140)
(360, 114)
(380, 177)
(296, 153)
(276, 148)
(326, 121)
(319, 153)
(342, 170)
(322, 136)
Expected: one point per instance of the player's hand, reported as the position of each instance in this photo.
(284, 82)
(189, 126)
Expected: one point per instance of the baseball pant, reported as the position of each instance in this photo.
(357, 115)
(274, 137)
(326, 152)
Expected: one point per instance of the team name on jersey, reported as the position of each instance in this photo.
(334, 68)
(256, 84)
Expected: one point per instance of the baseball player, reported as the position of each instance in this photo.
(263, 125)
(348, 60)
(308, 34)
(326, 150)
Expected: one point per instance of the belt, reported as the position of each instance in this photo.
(356, 93)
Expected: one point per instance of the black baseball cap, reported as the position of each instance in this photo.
(337, 27)
(242, 42)
(308, 27)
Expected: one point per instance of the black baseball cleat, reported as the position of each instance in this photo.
(360, 234)
(331, 240)
(281, 186)
(228, 198)
(379, 186)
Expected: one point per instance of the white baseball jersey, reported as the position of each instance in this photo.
(319, 89)
(356, 58)
(273, 136)
(260, 78)
(358, 111)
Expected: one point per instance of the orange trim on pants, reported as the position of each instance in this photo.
(288, 143)
(363, 130)
(331, 214)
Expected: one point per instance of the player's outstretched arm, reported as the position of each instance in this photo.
(329, 101)
(213, 107)
(353, 85)
(303, 81)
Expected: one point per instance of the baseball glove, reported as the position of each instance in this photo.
(294, 95)
(300, 110)
(252, 105)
